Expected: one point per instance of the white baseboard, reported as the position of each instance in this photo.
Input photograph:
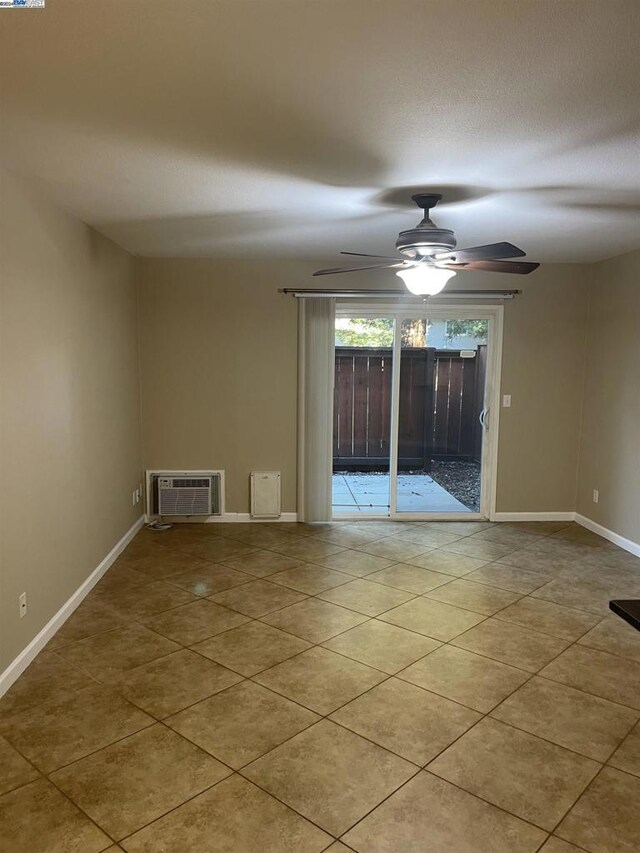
(628, 544)
(26, 656)
(533, 516)
(243, 517)
(230, 517)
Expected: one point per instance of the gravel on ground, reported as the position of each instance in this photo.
(461, 479)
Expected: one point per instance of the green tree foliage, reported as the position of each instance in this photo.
(378, 331)
(477, 329)
(365, 332)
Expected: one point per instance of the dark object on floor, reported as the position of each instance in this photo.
(461, 479)
(629, 610)
(159, 525)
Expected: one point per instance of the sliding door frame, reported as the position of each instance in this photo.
(489, 459)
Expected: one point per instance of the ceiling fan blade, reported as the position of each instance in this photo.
(362, 255)
(357, 269)
(481, 253)
(517, 267)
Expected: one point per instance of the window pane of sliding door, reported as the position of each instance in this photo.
(362, 416)
(440, 412)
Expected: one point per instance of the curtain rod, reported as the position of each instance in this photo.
(398, 294)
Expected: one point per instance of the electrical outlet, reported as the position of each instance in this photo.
(134, 497)
(506, 401)
(22, 604)
(596, 496)
(138, 493)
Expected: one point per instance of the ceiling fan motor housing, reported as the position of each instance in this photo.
(424, 240)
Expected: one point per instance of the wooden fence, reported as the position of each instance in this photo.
(441, 397)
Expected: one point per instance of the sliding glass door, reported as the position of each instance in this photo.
(362, 415)
(440, 414)
(413, 426)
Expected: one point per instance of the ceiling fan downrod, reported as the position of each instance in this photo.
(425, 238)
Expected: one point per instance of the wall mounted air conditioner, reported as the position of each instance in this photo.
(185, 493)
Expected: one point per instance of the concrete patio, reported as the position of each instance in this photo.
(368, 494)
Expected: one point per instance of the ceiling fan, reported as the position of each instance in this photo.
(429, 257)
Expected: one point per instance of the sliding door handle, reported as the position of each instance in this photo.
(484, 419)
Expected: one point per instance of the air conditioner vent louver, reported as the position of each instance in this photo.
(185, 493)
(185, 501)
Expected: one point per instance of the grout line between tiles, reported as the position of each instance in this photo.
(82, 811)
(326, 716)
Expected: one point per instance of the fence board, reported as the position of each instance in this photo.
(343, 404)
(441, 416)
(452, 440)
(441, 396)
(468, 412)
(360, 408)
(415, 417)
(379, 406)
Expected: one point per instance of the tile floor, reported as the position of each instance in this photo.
(377, 686)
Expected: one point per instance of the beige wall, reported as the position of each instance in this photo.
(610, 435)
(69, 441)
(218, 356)
(542, 368)
(218, 361)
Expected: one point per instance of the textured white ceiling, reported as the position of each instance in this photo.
(296, 128)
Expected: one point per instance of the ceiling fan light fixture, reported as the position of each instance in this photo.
(424, 279)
